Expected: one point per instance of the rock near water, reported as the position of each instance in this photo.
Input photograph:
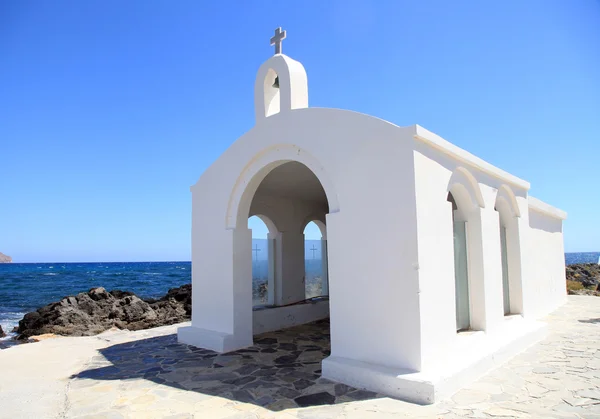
(4, 258)
(588, 274)
(97, 310)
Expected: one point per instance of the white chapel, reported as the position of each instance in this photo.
(456, 266)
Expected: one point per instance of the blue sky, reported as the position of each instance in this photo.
(111, 110)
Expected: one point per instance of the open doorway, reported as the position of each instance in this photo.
(288, 198)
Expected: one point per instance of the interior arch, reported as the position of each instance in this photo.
(284, 193)
(257, 170)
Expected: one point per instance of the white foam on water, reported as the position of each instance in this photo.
(9, 320)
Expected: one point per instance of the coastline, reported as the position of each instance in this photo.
(97, 311)
(582, 279)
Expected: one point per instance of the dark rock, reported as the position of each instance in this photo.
(316, 399)
(97, 310)
(588, 274)
(2, 334)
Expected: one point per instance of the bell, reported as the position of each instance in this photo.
(276, 83)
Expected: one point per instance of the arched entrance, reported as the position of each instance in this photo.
(286, 192)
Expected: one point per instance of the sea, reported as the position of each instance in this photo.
(25, 287)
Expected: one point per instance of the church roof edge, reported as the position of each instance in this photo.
(423, 134)
(540, 206)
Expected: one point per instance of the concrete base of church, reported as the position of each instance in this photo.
(473, 355)
(277, 318)
(215, 341)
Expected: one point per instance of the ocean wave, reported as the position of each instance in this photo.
(9, 320)
(49, 274)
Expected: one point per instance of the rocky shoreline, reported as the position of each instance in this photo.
(97, 310)
(583, 279)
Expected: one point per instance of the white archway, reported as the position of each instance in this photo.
(259, 167)
(510, 250)
(288, 287)
(467, 201)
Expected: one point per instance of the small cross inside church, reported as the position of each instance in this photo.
(256, 250)
(278, 39)
(314, 249)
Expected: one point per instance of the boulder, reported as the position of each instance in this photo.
(2, 334)
(97, 310)
(588, 274)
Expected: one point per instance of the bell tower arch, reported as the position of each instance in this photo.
(281, 83)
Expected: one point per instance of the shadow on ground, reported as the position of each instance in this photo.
(282, 370)
(590, 321)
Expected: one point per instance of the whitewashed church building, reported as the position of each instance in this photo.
(456, 264)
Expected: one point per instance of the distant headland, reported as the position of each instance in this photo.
(5, 259)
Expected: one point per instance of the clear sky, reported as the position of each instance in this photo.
(111, 110)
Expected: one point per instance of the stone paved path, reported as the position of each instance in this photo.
(147, 374)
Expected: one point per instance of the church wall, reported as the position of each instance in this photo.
(436, 257)
(371, 230)
(433, 171)
(545, 288)
(492, 260)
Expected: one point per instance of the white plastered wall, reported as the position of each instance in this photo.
(372, 280)
(441, 168)
(545, 288)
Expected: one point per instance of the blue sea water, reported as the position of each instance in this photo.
(25, 287)
(582, 257)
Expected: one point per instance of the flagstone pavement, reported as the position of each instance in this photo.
(147, 374)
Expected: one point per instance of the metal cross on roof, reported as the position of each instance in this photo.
(278, 39)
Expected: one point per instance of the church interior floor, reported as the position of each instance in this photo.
(146, 373)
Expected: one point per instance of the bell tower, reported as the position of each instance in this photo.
(281, 84)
